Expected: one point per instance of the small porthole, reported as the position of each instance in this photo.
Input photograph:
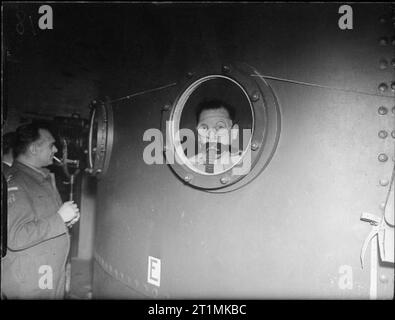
(222, 129)
(213, 117)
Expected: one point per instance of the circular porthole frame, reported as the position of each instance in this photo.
(99, 160)
(265, 130)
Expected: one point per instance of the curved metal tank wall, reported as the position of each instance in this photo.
(294, 230)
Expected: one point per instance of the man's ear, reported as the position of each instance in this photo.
(234, 131)
(33, 148)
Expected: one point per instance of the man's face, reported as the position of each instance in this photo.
(214, 126)
(44, 148)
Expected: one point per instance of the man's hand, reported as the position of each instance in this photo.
(69, 211)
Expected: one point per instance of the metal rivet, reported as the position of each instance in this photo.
(383, 278)
(383, 87)
(166, 107)
(382, 157)
(225, 69)
(383, 134)
(254, 146)
(393, 134)
(382, 20)
(383, 41)
(255, 96)
(98, 170)
(187, 178)
(383, 64)
(384, 182)
(224, 180)
(382, 110)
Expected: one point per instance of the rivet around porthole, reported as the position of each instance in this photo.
(166, 107)
(225, 69)
(187, 178)
(382, 110)
(382, 157)
(383, 87)
(224, 180)
(383, 134)
(254, 146)
(255, 96)
(383, 41)
(383, 182)
(383, 64)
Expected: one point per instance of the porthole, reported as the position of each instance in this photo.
(100, 140)
(223, 129)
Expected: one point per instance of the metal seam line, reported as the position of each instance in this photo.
(319, 85)
(99, 260)
(144, 92)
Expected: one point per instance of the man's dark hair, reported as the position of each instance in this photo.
(25, 135)
(213, 105)
(9, 142)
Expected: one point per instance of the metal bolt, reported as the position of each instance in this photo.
(225, 69)
(254, 146)
(187, 178)
(166, 107)
(383, 278)
(383, 64)
(383, 157)
(383, 134)
(224, 180)
(393, 134)
(255, 96)
(383, 87)
(383, 41)
(382, 110)
(383, 182)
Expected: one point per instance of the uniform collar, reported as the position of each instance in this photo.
(39, 173)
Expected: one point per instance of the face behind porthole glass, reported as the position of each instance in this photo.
(211, 126)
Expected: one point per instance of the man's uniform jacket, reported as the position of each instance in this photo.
(38, 240)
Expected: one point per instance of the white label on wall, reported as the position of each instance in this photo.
(153, 271)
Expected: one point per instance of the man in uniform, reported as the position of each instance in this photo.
(38, 239)
(216, 131)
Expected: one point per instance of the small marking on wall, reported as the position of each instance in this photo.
(345, 279)
(154, 266)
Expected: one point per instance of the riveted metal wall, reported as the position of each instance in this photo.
(295, 230)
